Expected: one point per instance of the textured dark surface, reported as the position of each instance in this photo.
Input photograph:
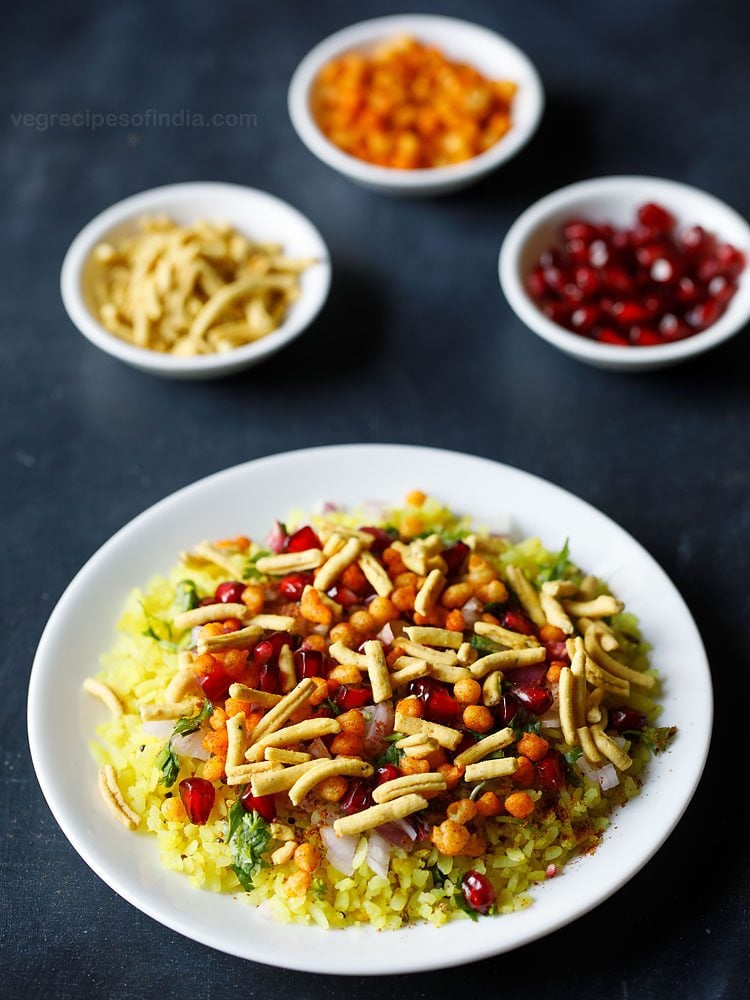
(416, 345)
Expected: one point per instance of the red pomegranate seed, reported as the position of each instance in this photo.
(303, 539)
(382, 539)
(621, 719)
(388, 772)
(264, 805)
(607, 336)
(642, 336)
(554, 278)
(572, 294)
(438, 703)
(308, 663)
(347, 697)
(507, 710)
(617, 280)
(599, 254)
(533, 698)
(269, 679)
(694, 238)
(216, 684)
(535, 283)
(656, 218)
(230, 592)
(477, 891)
(292, 586)
(558, 312)
(585, 318)
(557, 650)
(730, 258)
(577, 229)
(687, 290)
(532, 675)
(703, 314)
(551, 772)
(455, 557)
(357, 798)
(587, 280)
(344, 596)
(198, 797)
(577, 251)
(628, 312)
(517, 621)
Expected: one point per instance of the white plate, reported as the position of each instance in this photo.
(246, 499)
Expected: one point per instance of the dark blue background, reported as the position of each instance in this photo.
(416, 345)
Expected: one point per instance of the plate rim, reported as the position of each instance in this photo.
(418, 964)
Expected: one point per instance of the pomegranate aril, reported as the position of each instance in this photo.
(703, 314)
(347, 697)
(587, 279)
(687, 290)
(517, 621)
(535, 283)
(292, 586)
(308, 663)
(656, 217)
(585, 318)
(388, 772)
(230, 592)
(607, 336)
(558, 312)
(533, 698)
(572, 295)
(730, 258)
(264, 805)
(628, 311)
(554, 278)
(557, 650)
(616, 279)
(455, 557)
(551, 257)
(198, 797)
(577, 229)
(344, 596)
(577, 251)
(477, 891)
(304, 539)
(643, 336)
(621, 719)
(269, 679)
(382, 539)
(356, 799)
(599, 254)
(506, 710)
(438, 703)
(551, 772)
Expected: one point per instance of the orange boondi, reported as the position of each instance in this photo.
(406, 105)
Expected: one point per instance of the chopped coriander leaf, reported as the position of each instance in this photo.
(151, 633)
(167, 760)
(573, 755)
(438, 878)
(334, 708)
(319, 888)
(494, 608)
(558, 569)
(655, 738)
(483, 645)
(390, 756)
(461, 904)
(234, 817)
(248, 841)
(251, 572)
(186, 596)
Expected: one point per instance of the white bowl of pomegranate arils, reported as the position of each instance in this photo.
(629, 273)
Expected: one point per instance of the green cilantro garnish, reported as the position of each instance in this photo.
(248, 835)
(251, 572)
(319, 888)
(461, 904)
(167, 760)
(524, 723)
(494, 608)
(573, 755)
(655, 738)
(151, 633)
(570, 758)
(334, 708)
(483, 645)
(186, 596)
(557, 570)
(390, 756)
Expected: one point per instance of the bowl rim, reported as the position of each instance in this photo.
(610, 354)
(156, 362)
(395, 177)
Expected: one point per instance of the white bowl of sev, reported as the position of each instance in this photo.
(196, 280)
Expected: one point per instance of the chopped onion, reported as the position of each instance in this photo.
(550, 719)
(183, 746)
(195, 633)
(398, 833)
(318, 748)
(276, 537)
(391, 631)
(329, 507)
(379, 725)
(378, 853)
(374, 510)
(606, 775)
(472, 611)
(339, 850)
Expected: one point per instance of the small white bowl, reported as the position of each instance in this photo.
(256, 214)
(494, 56)
(616, 200)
